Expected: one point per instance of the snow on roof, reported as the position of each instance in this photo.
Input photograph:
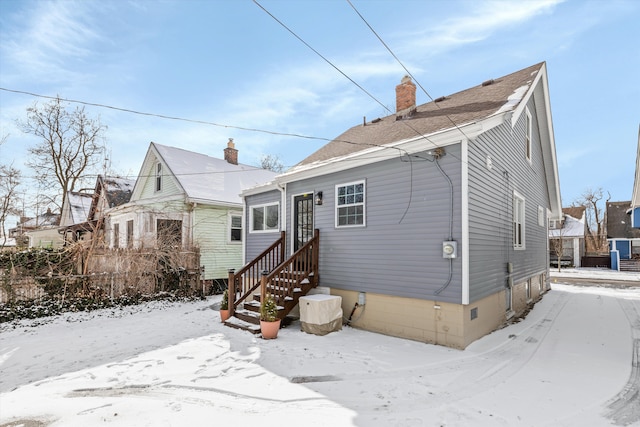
(117, 183)
(44, 220)
(208, 178)
(513, 100)
(117, 190)
(572, 227)
(79, 206)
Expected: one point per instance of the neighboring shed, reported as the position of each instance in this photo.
(567, 238)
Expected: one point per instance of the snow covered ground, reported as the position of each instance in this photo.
(569, 363)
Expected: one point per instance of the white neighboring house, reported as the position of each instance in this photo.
(6, 243)
(75, 210)
(571, 232)
(188, 199)
(41, 231)
(84, 214)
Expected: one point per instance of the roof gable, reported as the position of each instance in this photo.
(462, 115)
(200, 177)
(619, 221)
(76, 208)
(577, 212)
(472, 105)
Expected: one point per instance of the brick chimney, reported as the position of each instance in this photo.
(230, 153)
(405, 97)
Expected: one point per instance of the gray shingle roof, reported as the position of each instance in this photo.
(467, 106)
(619, 221)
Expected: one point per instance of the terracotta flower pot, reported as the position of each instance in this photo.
(224, 315)
(269, 329)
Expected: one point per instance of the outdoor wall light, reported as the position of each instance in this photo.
(319, 198)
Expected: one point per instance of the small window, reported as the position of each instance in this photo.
(265, 218)
(148, 223)
(527, 135)
(235, 225)
(116, 235)
(528, 289)
(518, 221)
(350, 204)
(130, 233)
(158, 176)
(541, 221)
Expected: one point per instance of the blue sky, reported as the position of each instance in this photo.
(231, 63)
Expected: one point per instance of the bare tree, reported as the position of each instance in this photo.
(594, 203)
(69, 144)
(557, 243)
(271, 162)
(9, 183)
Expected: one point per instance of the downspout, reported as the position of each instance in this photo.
(283, 203)
(436, 156)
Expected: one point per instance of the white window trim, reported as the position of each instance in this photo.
(528, 135)
(230, 228)
(364, 204)
(264, 205)
(521, 245)
(157, 183)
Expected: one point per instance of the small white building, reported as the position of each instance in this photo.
(568, 235)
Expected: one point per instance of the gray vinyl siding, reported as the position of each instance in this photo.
(491, 207)
(255, 243)
(399, 251)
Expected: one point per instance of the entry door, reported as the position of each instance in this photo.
(302, 219)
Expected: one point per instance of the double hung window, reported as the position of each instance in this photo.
(350, 204)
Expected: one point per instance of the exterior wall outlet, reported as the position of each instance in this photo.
(362, 298)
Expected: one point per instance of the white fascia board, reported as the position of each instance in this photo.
(389, 151)
(259, 189)
(214, 203)
(549, 153)
(547, 137)
(525, 99)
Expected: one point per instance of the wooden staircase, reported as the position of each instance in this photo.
(285, 280)
(630, 265)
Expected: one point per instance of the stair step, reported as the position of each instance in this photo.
(249, 316)
(234, 322)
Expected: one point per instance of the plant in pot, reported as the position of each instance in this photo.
(269, 322)
(224, 306)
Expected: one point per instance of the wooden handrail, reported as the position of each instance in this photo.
(243, 282)
(285, 278)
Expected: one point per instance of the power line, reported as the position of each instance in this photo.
(352, 81)
(405, 68)
(162, 116)
(204, 122)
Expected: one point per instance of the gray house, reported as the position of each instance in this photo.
(431, 223)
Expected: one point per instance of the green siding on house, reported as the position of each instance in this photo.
(211, 230)
(169, 185)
